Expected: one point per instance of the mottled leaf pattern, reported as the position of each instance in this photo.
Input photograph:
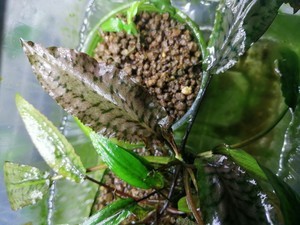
(102, 97)
(238, 23)
(228, 195)
(51, 144)
(25, 185)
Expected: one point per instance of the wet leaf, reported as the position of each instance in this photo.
(228, 195)
(25, 185)
(51, 144)
(288, 69)
(243, 159)
(289, 167)
(237, 25)
(126, 165)
(289, 199)
(100, 96)
(112, 214)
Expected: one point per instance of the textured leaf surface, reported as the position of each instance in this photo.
(112, 214)
(289, 200)
(229, 196)
(51, 144)
(237, 25)
(126, 165)
(25, 185)
(99, 95)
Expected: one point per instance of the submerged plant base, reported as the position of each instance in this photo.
(163, 58)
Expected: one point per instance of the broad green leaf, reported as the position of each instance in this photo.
(243, 159)
(288, 69)
(25, 185)
(228, 195)
(289, 200)
(51, 144)
(237, 25)
(99, 95)
(126, 165)
(112, 214)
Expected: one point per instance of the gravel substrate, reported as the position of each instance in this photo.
(164, 58)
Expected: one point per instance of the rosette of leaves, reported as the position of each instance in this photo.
(114, 106)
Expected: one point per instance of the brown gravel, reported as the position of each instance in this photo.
(163, 58)
(167, 62)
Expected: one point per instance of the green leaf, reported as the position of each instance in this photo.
(288, 69)
(112, 214)
(113, 25)
(51, 144)
(125, 164)
(229, 195)
(132, 11)
(289, 199)
(182, 205)
(100, 96)
(237, 25)
(164, 6)
(25, 185)
(243, 159)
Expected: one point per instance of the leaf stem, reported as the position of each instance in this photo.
(174, 181)
(260, 134)
(194, 113)
(189, 198)
(95, 168)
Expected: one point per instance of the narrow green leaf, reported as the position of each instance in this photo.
(100, 96)
(289, 71)
(113, 25)
(132, 11)
(125, 164)
(229, 195)
(112, 214)
(164, 6)
(25, 185)
(245, 160)
(51, 144)
(289, 199)
(237, 25)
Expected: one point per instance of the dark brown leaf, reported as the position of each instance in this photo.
(101, 96)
